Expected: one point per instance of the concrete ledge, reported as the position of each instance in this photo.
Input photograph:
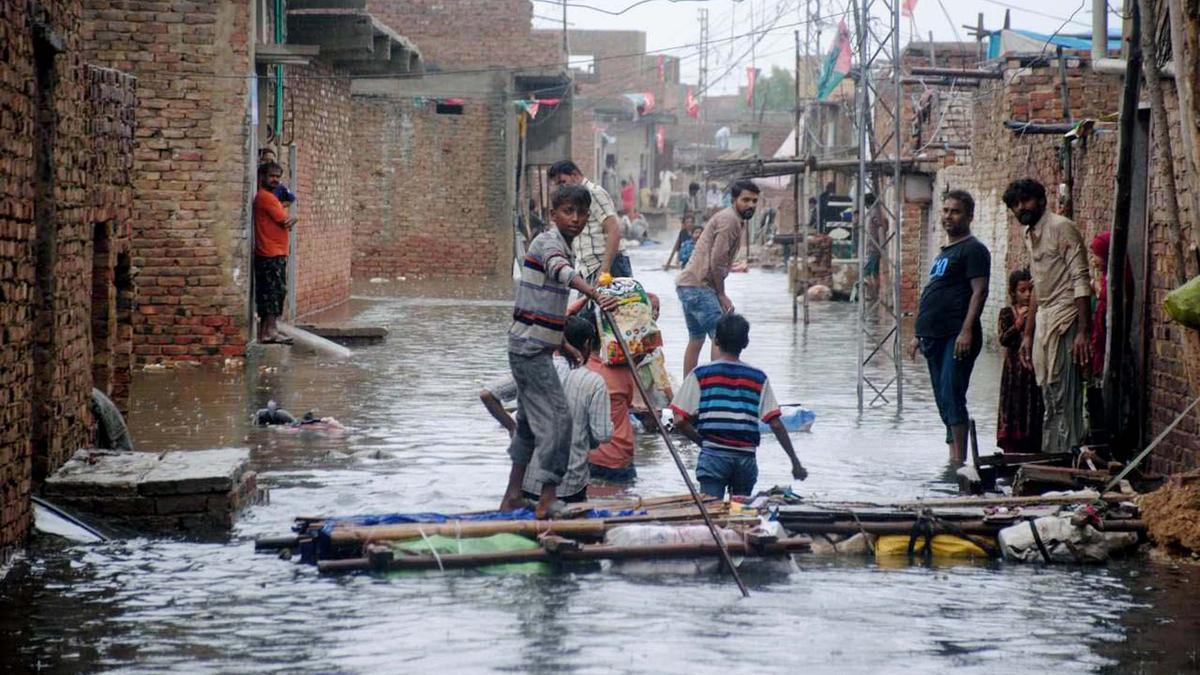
(347, 334)
(196, 492)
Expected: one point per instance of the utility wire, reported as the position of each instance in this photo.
(610, 12)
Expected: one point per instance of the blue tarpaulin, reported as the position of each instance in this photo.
(1011, 41)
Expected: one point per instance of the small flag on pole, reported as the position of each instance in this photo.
(751, 77)
(837, 62)
(692, 105)
(907, 8)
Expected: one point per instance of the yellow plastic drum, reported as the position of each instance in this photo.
(944, 546)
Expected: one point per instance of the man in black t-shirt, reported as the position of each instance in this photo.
(947, 327)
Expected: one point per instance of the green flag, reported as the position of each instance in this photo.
(837, 62)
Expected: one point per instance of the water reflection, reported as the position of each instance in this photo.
(418, 439)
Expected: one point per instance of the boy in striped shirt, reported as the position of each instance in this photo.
(718, 408)
(539, 316)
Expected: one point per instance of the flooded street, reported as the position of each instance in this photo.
(419, 440)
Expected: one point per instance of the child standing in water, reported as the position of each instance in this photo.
(1019, 423)
(543, 430)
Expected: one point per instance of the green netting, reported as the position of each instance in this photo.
(453, 546)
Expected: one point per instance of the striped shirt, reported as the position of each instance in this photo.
(589, 245)
(724, 400)
(591, 425)
(539, 313)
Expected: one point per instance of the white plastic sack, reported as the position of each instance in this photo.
(657, 535)
(1064, 542)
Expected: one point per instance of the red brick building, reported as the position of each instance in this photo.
(66, 288)
(191, 169)
(436, 157)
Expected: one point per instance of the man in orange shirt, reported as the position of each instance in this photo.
(612, 461)
(271, 226)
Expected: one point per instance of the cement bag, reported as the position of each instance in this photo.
(658, 535)
(858, 544)
(634, 317)
(1183, 304)
(1064, 542)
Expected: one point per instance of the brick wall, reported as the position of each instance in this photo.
(64, 139)
(112, 102)
(16, 274)
(190, 168)
(319, 117)
(449, 34)
(583, 142)
(431, 190)
(1173, 377)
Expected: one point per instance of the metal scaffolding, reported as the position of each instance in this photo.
(878, 323)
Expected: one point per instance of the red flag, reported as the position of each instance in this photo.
(649, 102)
(907, 8)
(751, 76)
(692, 106)
(660, 138)
(661, 69)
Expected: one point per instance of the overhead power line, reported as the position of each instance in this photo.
(609, 11)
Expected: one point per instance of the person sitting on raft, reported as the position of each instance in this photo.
(539, 317)
(591, 418)
(718, 407)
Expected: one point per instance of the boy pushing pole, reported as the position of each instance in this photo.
(539, 316)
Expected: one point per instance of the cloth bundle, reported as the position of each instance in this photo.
(634, 318)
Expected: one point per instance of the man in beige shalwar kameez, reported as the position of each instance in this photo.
(1056, 341)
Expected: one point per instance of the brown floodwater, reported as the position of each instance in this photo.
(417, 439)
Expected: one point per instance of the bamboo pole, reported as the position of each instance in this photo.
(467, 528)
(1184, 46)
(968, 502)
(712, 529)
(584, 553)
(975, 527)
(1160, 124)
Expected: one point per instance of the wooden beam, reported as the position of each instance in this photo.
(959, 72)
(326, 4)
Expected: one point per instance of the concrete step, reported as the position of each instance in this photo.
(347, 334)
(189, 492)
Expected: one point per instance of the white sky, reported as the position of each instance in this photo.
(672, 23)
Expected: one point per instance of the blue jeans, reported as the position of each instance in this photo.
(701, 310)
(717, 470)
(950, 378)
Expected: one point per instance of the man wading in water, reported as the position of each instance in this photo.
(701, 285)
(539, 316)
(948, 330)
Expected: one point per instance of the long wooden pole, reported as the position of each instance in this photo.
(585, 552)
(796, 186)
(712, 528)
(1116, 332)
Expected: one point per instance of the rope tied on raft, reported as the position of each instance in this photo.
(433, 549)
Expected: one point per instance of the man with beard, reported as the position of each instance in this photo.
(701, 284)
(948, 331)
(1055, 343)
